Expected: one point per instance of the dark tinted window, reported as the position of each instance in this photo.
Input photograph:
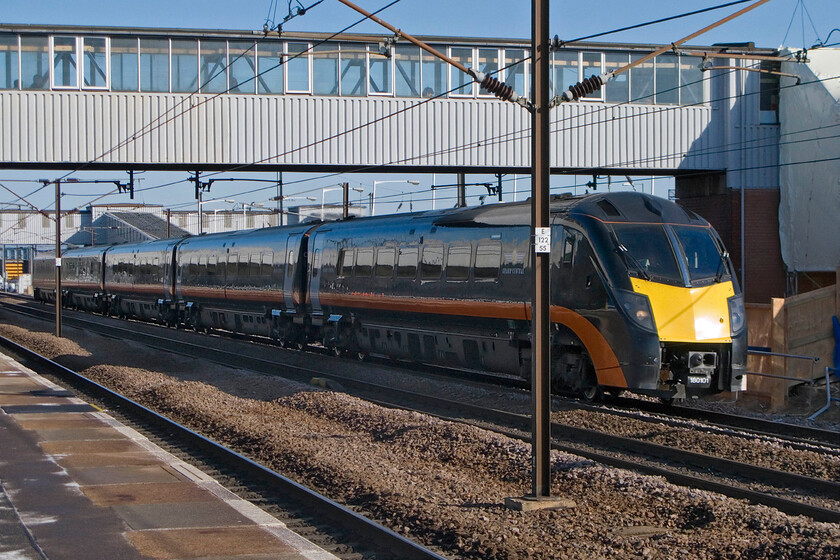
(432, 263)
(701, 252)
(267, 263)
(364, 262)
(344, 267)
(385, 262)
(649, 250)
(487, 259)
(407, 264)
(458, 263)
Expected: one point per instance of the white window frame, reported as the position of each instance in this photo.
(287, 57)
(390, 60)
(53, 85)
(499, 64)
(107, 85)
(226, 87)
(599, 92)
(503, 76)
(452, 70)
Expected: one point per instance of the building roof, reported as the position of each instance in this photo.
(125, 227)
(153, 226)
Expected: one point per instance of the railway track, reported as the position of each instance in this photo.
(792, 434)
(333, 527)
(697, 470)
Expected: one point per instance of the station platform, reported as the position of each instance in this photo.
(75, 484)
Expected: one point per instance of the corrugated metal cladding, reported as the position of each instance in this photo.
(131, 128)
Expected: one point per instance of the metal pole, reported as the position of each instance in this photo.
(58, 258)
(373, 199)
(540, 325)
(200, 225)
(346, 211)
(168, 222)
(280, 195)
(462, 190)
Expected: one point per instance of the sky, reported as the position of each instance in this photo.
(792, 23)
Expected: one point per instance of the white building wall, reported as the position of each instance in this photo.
(809, 212)
(137, 129)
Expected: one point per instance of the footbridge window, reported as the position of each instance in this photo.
(272, 66)
(9, 62)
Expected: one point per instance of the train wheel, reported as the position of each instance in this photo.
(590, 391)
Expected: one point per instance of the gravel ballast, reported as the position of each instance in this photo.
(441, 483)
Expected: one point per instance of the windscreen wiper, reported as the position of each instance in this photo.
(721, 270)
(630, 259)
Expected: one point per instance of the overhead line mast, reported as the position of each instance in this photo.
(540, 169)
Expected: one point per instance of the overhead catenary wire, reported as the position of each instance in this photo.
(487, 141)
(526, 58)
(518, 62)
(149, 127)
(508, 137)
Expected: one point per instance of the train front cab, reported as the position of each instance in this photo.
(672, 281)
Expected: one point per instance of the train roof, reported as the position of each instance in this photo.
(606, 207)
(634, 207)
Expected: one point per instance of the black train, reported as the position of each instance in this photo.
(642, 292)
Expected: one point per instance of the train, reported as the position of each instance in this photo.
(643, 295)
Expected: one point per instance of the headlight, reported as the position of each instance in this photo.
(737, 314)
(637, 307)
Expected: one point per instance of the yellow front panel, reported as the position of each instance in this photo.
(689, 314)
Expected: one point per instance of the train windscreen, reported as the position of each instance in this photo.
(648, 252)
(702, 253)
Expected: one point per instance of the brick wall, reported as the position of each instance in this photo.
(765, 272)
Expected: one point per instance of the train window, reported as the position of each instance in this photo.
(649, 251)
(267, 263)
(568, 247)
(487, 260)
(344, 267)
(407, 262)
(316, 263)
(458, 263)
(385, 262)
(290, 263)
(701, 252)
(230, 273)
(212, 271)
(431, 263)
(243, 269)
(192, 270)
(202, 267)
(254, 267)
(364, 262)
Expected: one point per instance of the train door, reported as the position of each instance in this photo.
(314, 284)
(292, 246)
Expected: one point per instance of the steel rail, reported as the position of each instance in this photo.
(801, 436)
(584, 436)
(390, 544)
(645, 449)
(759, 426)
